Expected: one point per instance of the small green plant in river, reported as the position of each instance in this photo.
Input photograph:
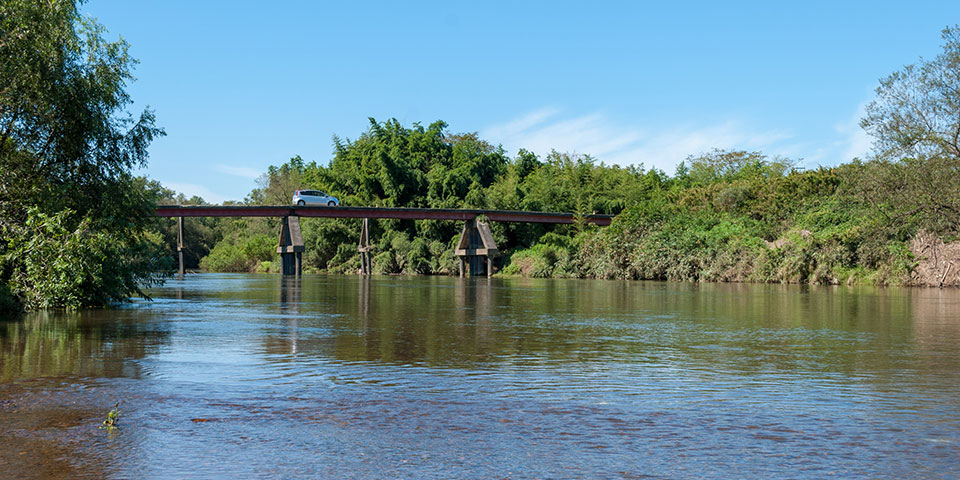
(113, 418)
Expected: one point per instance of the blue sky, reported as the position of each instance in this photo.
(239, 86)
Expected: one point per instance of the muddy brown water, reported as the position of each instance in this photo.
(256, 376)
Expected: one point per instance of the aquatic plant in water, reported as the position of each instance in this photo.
(113, 418)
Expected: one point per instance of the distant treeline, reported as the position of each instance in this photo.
(722, 216)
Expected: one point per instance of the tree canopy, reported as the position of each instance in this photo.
(67, 148)
(914, 178)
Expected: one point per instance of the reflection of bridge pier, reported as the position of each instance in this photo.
(290, 293)
(476, 245)
(476, 295)
(363, 298)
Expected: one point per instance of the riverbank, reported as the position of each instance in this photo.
(797, 257)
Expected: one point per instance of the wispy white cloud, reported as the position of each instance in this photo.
(525, 122)
(849, 141)
(594, 134)
(191, 189)
(245, 172)
(856, 142)
(666, 148)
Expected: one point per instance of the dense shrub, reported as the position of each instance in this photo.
(56, 266)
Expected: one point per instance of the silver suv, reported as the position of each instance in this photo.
(303, 197)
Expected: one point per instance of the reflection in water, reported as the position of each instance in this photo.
(290, 294)
(50, 366)
(93, 343)
(363, 301)
(290, 303)
(331, 376)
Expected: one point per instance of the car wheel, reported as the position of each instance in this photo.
(301, 203)
(331, 203)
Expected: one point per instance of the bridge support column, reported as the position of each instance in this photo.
(290, 246)
(180, 246)
(476, 249)
(364, 248)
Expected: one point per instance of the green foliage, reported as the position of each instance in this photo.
(910, 193)
(73, 220)
(225, 257)
(728, 216)
(722, 165)
(747, 223)
(916, 113)
(56, 265)
(540, 261)
(553, 256)
(113, 419)
(915, 178)
(260, 248)
(418, 258)
(65, 129)
(244, 254)
(346, 259)
(323, 239)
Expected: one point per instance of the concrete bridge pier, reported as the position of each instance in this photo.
(365, 248)
(476, 249)
(180, 246)
(290, 246)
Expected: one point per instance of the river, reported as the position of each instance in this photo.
(257, 376)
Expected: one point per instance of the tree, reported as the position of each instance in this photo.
(277, 185)
(734, 164)
(67, 146)
(917, 110)
(915, 121)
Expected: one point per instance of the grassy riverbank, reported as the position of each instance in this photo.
(800, 227)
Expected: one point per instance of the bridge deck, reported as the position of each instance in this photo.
(374, 212)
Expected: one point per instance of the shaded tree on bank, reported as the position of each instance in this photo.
(67, 147)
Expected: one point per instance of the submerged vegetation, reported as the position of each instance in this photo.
(111, 423)
(76, 228)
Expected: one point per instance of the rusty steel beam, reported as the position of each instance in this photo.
(375, 212)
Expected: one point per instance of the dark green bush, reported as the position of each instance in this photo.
(54, 266)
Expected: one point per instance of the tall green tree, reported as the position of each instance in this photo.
(67, 147)
(915, 121)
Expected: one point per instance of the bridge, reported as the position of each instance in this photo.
(476, 247)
